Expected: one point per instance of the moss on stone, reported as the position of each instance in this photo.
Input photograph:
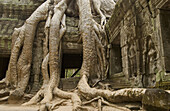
(8, 19)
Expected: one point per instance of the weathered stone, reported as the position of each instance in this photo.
(69, 47)
(143, 37)
(69, 83)
(156, 99)
(15, 97)
(107, 108)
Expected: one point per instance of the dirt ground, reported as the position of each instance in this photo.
(9, 107)
(66, 107)
(4, 107)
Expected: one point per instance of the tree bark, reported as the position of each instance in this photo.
(87, 35)
(54, 40)
(21, 57)
(94, 67)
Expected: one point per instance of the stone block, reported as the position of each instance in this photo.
(124, 51)
(69, 83)
(70, 47)
(156, 99)
(15, 96)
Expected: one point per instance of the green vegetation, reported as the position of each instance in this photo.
(70, 72)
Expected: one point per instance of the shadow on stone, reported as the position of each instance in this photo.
(156, 100)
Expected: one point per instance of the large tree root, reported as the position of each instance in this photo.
(55, 34)
(69, 95)
(94, 52)
(18, 73)
(54, 40)
(102, 101)
(123, 95)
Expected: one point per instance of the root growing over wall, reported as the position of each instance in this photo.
(95, 64)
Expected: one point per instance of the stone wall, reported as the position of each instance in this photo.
(138, 32)
(140, 29)
(12, 15)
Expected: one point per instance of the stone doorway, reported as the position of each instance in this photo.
(115, 56)
(71, 64)
(165, 29)
(3, 66)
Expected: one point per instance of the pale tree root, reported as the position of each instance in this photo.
(17, 42)
(119, 96)
(40, 94)
(25, 58)
(59, 93)
(56, 31)
(123, 95)
(69, 95)
(18, 73)
(50, 89)
(102, 101)
(97, 5)
(45, 70)
(50, 107)
(143, 95)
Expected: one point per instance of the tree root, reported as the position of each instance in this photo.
(101, 100)
(4, 98)
(18, 73)
(69, 95)
(94, 51)
(59, 93)
(18, 35)
(130, 94)
(55, 35)
(45, 70)
(123, 95)
(57, 104)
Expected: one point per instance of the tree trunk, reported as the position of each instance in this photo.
(94, 67)
(21, 57)
(87, 34)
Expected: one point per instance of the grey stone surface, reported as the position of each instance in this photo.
(141, 29)
(156, 98)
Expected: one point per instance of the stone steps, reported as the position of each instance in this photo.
(4, 93)
(2, 85)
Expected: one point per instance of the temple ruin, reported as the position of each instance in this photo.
(138, 51)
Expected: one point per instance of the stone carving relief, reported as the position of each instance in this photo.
(149, 61)
(132, 59)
